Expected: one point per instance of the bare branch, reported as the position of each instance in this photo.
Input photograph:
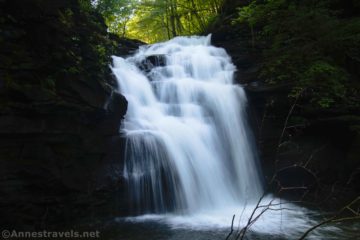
(336, 218)
(232, 228)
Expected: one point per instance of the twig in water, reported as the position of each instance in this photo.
(232, 228)
(336, 218)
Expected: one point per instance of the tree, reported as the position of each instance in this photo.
(156, 20)
(117, 14)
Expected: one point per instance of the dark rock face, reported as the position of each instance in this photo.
(124, 46)
(323, 143)
(295, 181)
(60, 147)
(152, 61)
(61, 165)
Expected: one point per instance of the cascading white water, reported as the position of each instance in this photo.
(189, 159)
(188, 145)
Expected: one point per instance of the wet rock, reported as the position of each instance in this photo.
(117, 104)
(152, 61)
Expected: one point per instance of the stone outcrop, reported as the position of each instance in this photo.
(320, 141)
(60, 147)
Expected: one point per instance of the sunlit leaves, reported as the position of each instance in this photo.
(117, 14)
(156, 20)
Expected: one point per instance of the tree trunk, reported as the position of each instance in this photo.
(173, 17)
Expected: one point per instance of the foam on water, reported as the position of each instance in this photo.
(282, 220)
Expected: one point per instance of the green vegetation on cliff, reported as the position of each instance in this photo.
(313, 45)
(56, 132)
(300, 61)
(55, 52)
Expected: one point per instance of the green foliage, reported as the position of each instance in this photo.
(66, 17)
(327, 82)
(311, 44)
(71, 44)
(156, 20)
(117, 14)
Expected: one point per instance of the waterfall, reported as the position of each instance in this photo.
(188, 147)
(189, 160)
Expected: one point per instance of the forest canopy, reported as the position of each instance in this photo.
(156, 20)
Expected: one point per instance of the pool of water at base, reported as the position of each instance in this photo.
(156, 228)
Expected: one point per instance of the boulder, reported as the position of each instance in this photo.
(152, 61)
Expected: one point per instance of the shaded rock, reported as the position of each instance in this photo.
(295, 179)
(117, 104)
(59, 116)
(152, 61)
(323, 140)
(125, 46)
